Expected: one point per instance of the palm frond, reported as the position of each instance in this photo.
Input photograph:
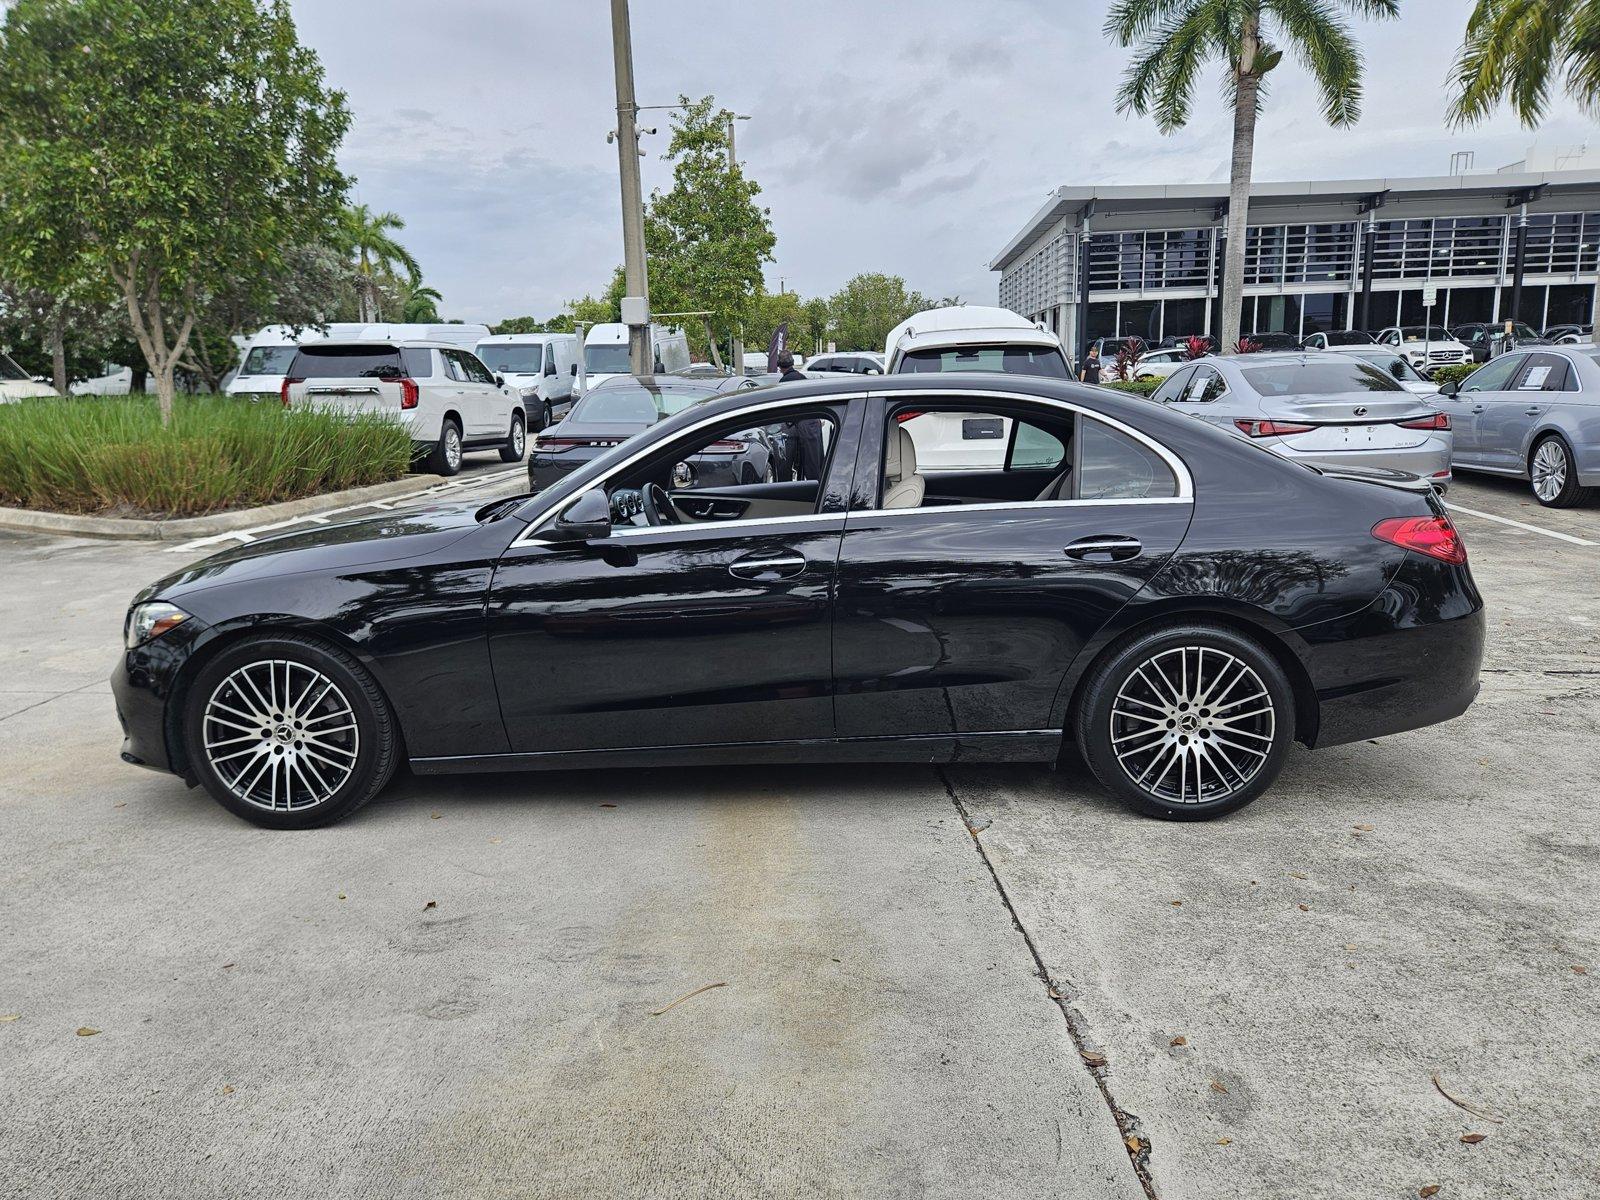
(1320, 39)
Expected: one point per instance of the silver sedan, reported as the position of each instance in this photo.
(1533, 414)
(1324, 409)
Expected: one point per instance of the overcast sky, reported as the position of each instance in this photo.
(909, 138)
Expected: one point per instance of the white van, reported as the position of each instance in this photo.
(268, 353)
(466, 337)
(541, 367)
(969, 337)
(605, 351)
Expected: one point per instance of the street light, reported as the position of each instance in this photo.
(731, 119)
(636, 304)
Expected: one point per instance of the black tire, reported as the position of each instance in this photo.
(547, 418)
(445, 460)
(372, 746)
(1553, 474)
(516, 441)
(1259, 742)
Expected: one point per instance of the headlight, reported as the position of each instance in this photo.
(150, 620)
(525, 392)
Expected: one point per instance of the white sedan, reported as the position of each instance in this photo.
(1158, 364)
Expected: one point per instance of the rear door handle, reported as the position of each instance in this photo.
(1105, 548)
(781, 564)
(1532, 412)
(1478, 408)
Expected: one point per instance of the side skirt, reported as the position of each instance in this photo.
(1032, 745)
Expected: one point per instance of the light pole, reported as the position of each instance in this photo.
(636, 277)
(732, 117)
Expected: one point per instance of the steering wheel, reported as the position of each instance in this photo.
(658, 508)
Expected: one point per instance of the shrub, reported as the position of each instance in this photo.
(1196, 346)
(1139, 387)
(1456, 371)
(112, 456)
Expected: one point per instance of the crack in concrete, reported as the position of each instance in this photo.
(49, 699)
(1134, 1139)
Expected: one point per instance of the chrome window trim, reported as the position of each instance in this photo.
(637, 531)
(1176, 465)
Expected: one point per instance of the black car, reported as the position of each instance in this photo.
(1486, 339)
(625, 405)
(1178, 603)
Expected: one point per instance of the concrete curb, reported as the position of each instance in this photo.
(184, 528)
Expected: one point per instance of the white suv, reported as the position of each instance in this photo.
(443, 395)
(1425, 346)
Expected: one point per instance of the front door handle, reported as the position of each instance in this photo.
(781, 564)
(1105, 548)
(1478, 408)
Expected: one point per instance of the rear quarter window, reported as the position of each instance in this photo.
(1114, 466)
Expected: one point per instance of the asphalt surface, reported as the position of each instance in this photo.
(452, 994)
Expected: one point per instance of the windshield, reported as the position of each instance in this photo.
(10, 371)
(607, 360)
(1349, 337)
(1425, 333)
(1318, 379)
(1008, 360)
(635, 405)
(513, 358)
(1396, 365)
(346, 362)
(268, 360)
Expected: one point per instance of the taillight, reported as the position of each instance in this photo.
(1433, 536)
(1265, 429)
(283, 392)
(726, 447)
(1437, 421)
(409, 392)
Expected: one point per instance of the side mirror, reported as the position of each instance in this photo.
(574, 370)
(873, 371)
(1450, 387)
(549, 368)
(499, 381)
(589, 516)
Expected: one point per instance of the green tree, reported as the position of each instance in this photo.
(368, 237)
(167, 147)
(706, 237)
(64, 337)
(421, 304)
(1515, 50)
(1172, 42)
(868, 306)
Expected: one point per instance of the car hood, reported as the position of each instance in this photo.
(24, 389)
(361, 542)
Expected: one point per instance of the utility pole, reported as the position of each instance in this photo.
(732, 117)
(636, 304)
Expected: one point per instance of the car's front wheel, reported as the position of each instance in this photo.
(289, 733)
(516, 441)
(1554, 475)
(1186, 722)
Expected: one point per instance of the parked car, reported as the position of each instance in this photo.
(1395, 363)
(268, 353)
(971, 337)
(1333, 339)
(856, 362)
(605, 351)
(1534, 415)
(1488, 339)
(1110, 347)
(114, 379)
(625, 405)
(1271, 339)
(1158, 364)
(17, 384)
(1427, 346)
(444, 397)
(1569, 335)
(541, 367)
(1075, 595)
(1327, 410)
(1176, 339)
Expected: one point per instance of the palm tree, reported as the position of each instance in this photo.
(421, 304)
(1514, 48)
(368, 237)
(1174, 39)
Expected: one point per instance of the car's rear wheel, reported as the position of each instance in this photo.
(1186, 722)
(1554, 475)
(446, 456)
(516, 441)
(289, 733)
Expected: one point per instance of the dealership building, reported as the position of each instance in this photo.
(1360, 253)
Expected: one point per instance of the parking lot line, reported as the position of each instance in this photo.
(1565, 537)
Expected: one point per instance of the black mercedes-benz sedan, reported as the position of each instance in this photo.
(1177, 603)
(629, 404)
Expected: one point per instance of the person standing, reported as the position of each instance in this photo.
(807, 435)
(1091, 364)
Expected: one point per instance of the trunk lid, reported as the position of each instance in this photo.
(1358, 421)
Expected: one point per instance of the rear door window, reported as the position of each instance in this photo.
(1114, 466)
(419, 361)
(1542, 373)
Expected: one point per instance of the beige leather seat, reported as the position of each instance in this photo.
(902, 486)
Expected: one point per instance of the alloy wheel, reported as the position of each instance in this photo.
(518, 438)
(280, 735)
(452, 446)
(1193, 725)
(1549, 470)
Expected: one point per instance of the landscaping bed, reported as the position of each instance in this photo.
(112, 457)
